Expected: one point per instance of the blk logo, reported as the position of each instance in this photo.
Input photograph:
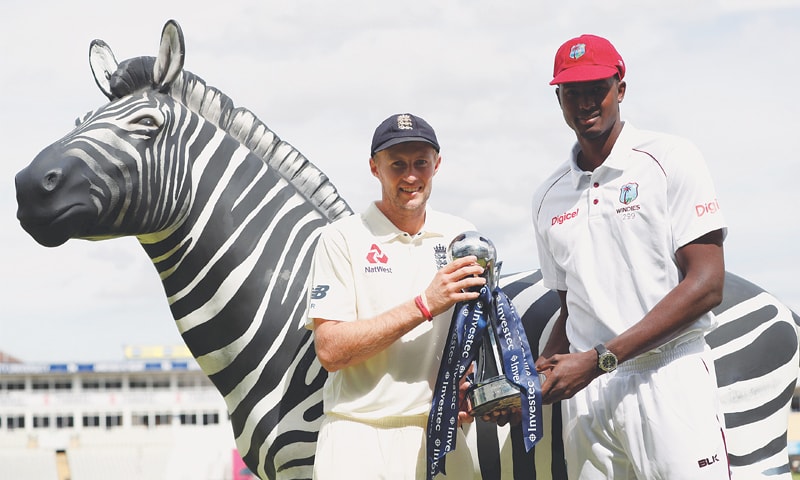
(375, 255)
(704, 462)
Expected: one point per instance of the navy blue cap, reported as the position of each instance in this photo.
(400, 128)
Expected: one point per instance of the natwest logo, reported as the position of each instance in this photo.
(559, 219)
(375, 255)
(711, 207)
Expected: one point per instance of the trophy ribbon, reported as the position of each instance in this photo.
(463, 339)
(470, 320)
(519, 367)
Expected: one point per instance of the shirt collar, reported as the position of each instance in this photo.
(386, 231)
(616, 160)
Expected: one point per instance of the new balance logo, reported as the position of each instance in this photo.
(319, 291)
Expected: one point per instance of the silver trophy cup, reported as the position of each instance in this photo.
(491, 391)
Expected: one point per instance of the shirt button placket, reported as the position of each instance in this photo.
(595, 193)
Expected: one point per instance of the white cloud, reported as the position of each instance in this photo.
(757, 5)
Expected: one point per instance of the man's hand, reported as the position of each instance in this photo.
(566, 374)
(510, 416)
(449, 285)
(464, 405)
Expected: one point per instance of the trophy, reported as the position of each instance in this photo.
(491, 391)
(488, 333)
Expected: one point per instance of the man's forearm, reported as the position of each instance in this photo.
(342, 344)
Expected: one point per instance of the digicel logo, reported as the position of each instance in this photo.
(711, 207)
(564, 217)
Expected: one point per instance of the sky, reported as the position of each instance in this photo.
(323, 74)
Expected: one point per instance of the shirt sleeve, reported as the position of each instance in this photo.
(553, 277)
(693, 203)
(331, 292)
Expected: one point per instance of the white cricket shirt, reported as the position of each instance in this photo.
(363, 266)
(609, 237)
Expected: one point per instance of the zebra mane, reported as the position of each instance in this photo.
(210, 103)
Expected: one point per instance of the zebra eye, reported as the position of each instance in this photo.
(147, 121)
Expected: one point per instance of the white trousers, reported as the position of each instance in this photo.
(655, 418)
(353, 450)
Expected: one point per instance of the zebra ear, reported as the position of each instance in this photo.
(169, 63)
(103, 64)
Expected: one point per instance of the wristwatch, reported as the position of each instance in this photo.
(606, 360)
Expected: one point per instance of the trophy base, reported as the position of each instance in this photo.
(494, 394)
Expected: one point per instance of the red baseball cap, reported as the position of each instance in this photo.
(587, 58)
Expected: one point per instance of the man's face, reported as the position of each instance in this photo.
(405, 171)
(591, 109)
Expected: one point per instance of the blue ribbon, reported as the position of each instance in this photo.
(464, 338)
(518, 365)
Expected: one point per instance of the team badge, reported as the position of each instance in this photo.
(577, 51)
(628, 193)
(440, 255)
(404, 122)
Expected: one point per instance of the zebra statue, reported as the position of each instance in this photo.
(228, 213)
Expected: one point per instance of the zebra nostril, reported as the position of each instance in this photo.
(51, 179)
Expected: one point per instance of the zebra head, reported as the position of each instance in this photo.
(99, 180)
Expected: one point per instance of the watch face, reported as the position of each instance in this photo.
(608, 362)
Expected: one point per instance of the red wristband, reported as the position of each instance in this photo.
(422, 308)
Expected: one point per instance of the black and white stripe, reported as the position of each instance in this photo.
(755, 350)
(229, 213)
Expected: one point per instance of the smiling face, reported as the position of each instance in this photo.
(406, 172)
(591, 109)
